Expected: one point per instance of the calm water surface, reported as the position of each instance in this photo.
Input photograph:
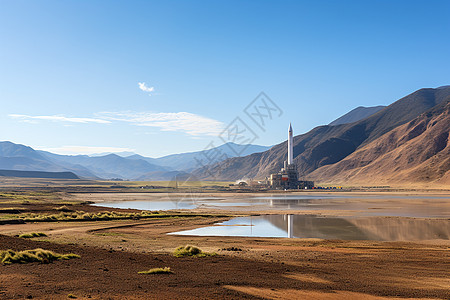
(312, 226)
(368, 205)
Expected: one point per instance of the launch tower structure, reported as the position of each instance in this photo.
(287, 177)
(290, 173)
(290, 158)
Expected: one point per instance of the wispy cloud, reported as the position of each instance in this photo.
(58, 118)
(189, 123)
(86, 150)
(143, 86)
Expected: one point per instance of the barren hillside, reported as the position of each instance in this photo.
(418, 151)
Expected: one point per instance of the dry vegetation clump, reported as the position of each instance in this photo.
(13, 196)
(36, 255)
(165, 270)
(231, 249)
(189, 250)
(63, 208)
(32, 235)
(85, 216)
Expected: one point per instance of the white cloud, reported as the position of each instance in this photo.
(189, 123)
(143, 86)
(185, 122)
(57, 118)
(86, 150)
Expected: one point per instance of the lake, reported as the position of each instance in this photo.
(313, 226)
(362, 205)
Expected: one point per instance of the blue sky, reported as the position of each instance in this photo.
(162, 77)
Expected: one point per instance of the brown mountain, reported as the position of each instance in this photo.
(357, 114)
(327, 145)
(418, 151)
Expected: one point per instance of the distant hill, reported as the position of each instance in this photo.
(108, 166)
(327, 145)
(122, 154)
(24, 158)
(8, 149)
(38, 174)
(189, 161)
(357, 114)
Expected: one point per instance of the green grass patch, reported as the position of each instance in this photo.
(189, 250)
(14, 196)
(32, 235)
(165, 270)
(28, 256)
(7, 216)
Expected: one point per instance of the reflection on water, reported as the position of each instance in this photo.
(312, 226)
(149, 205)
(367, 205)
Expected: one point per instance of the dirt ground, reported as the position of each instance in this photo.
(113, 252)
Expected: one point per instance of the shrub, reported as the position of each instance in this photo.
(32, 235)
(190, 251)
(36, 255)
(165, 270)
(187, 251)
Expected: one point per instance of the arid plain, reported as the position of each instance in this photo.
(115, 249)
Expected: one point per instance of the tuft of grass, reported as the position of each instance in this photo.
(37, 255)
(32, 235)
(165, 270)
(189, 250)
(63, 208)
(72, 296)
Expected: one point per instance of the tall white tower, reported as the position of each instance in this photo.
(290, 159)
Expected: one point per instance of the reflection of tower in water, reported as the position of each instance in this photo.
(290, 225)
(289, 219)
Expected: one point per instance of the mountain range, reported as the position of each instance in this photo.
(406, 141)
(16, 157)
(193, 160)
